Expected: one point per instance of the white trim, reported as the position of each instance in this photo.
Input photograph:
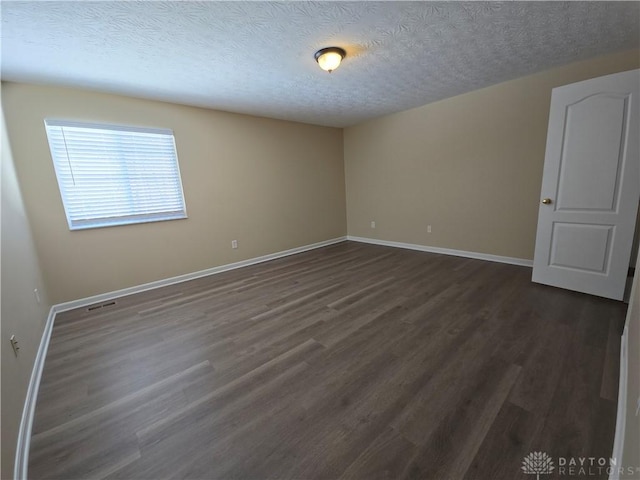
(445, 251)
(26, 422)
(618, 442)
(58, 122)
(83, 302)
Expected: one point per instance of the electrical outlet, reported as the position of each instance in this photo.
(428, 228)
(234, 243)
(36, 294)
(638, 408)
(14, 345)
(373, 224)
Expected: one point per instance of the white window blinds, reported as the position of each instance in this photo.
(113, 175)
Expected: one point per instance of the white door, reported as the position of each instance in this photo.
(590, 186)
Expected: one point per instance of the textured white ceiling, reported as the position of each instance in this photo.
(257, 57)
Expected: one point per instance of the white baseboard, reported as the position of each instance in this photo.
(445, 251)
(103, 297)
(621, 415)
(26, 422)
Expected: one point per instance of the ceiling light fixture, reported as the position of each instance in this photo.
(329, 58)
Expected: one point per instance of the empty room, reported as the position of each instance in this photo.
(320, 240)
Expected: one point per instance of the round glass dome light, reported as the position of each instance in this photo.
(329, 58)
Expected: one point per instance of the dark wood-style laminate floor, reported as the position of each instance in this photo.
(350, 361)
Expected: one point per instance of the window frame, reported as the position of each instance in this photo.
(132, 219)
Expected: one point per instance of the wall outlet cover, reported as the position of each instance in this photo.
(14, 345)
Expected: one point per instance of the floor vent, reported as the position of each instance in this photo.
(102, 305)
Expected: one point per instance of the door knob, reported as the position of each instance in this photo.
(546, 201)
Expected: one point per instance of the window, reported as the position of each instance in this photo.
(113, 175)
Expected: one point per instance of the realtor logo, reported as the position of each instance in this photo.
(537, 463)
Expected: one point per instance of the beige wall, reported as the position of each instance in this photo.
(270, 184)
(21, 315)
(471, 165)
